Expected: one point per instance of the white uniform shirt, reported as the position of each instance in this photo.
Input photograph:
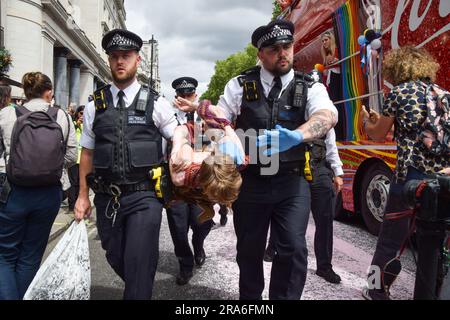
(231, 100)
(163, 117)
(332, 154)
(318, 99)
(182, 116)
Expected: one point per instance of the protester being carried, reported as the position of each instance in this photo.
(212, 175)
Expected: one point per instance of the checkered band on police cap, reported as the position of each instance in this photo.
(275, 33)
(185, 85)
(119, 40)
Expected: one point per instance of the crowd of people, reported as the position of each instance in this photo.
(118, 141)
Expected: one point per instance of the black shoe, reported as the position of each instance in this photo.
(183, 278)
(200, 259)
(373, 294)
(223, 220)
(269, 254)
(329, 275)
(223, 215)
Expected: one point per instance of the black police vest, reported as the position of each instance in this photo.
(127, 142)
(287, 111)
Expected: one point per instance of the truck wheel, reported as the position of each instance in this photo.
(374, 195)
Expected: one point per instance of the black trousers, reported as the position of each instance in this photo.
(393, 233)
(180, 217)
(322, 206)
(284, 202)
(74, 178)
(132, 244)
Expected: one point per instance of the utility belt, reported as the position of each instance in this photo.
(164, 187)
(158, 181)
(289, 169)
(101, 186)
(315, 158)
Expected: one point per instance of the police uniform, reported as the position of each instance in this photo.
(182, 215)
(327, 165)
(282, 199)
(184, 86)
(124, 128)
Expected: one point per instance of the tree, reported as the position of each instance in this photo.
(276, 10)
(227, 69)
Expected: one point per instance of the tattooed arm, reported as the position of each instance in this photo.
(318, 125)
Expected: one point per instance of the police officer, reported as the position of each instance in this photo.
(181, 215)
(327, 183)
(122, 143)
(289, 108)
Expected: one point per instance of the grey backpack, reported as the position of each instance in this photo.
(37, 149)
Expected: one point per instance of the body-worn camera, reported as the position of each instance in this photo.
(431, 195)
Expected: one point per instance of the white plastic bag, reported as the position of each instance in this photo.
(66, 274)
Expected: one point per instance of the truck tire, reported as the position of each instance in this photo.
(374, 195)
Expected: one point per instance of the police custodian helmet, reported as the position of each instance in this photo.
(122, 40)
(277, 31)
(185, 85)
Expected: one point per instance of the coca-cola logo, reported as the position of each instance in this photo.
(410, 18)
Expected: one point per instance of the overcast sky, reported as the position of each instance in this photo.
(194, 34)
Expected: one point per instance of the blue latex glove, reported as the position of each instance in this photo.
(279, 140)
(231, 149)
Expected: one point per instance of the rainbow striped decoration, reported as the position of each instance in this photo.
(347, 31)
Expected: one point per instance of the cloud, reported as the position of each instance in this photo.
(192, 35)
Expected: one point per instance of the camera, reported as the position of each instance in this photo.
(431, 196)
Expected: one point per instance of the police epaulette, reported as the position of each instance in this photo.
(241, 80)
(153, 92)
(307, 77)
(100, 98)
(251, 70)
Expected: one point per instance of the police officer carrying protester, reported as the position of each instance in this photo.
(122, 144)
(181, 215)
(290, 109)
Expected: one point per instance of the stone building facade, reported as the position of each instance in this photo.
(61, 38)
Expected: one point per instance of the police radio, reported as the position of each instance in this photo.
(141, 105)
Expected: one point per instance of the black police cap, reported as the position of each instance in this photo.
(277, 31)
(120, 39)
(185, 85)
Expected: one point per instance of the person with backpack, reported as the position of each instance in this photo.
(37, 141)
(413, 105)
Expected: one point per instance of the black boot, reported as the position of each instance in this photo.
(329, 275)
(200, 258)
(184, 277)
(223, 215)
